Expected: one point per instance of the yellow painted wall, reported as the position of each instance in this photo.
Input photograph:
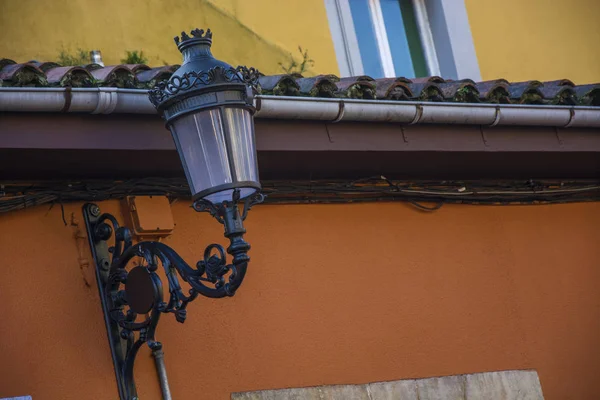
(537, 39)
(289, 24)
(259, 33)
(514, 39)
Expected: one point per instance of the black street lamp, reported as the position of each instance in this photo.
(208, 107)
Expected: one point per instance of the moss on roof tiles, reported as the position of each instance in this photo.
(434, 88)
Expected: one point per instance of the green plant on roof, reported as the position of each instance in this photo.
(466, 94)
(80, 57)
(135, 57)
(295, 67)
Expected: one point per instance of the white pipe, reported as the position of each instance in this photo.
(136, 101)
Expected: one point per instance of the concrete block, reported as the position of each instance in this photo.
(336, 392)
(310, 393)
(444, 388)
(504, 385)
(344, 392)
(395, 390)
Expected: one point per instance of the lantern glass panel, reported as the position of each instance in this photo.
(240, 128)
(201, 144)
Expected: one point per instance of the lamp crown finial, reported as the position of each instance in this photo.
(198, 36)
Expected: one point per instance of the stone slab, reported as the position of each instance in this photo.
(345, 392)
(505, 385)
(312, 393)
(443, 388)
(394, 390)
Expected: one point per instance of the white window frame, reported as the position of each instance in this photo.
(344, 37)
(444, 31)
(385, 54)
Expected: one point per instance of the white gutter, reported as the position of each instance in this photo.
(135, 101)
(408, 112)
(84, 100)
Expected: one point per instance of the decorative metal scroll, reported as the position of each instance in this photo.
(132, 292)
(165, 90)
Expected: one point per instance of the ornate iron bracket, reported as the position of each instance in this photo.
(131, 290)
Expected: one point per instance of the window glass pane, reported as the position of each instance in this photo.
(397, 38)
(414, 40)
(402, 34)
(367, 42)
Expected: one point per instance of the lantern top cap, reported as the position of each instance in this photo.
(199, 74)
(196, 37)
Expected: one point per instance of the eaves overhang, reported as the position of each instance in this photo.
(375, 141)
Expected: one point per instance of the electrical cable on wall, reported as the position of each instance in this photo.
(21, 195)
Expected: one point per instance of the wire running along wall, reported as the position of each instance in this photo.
(20, 195)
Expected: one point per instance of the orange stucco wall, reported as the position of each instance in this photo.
(335, 294)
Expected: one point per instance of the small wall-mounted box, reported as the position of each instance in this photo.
(149, 216)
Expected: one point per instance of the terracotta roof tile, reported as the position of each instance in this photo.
(495, 91)
(428, 79)
(92, 67)
(433, 88)
(393, 89)
(460, 91)
(560, 82)
(426, 91)
(151, 77)
(558, 94)
(135, 68)
(70, 77)
(115, 76)
(23, 75)
(360, 87)
(318, 86)
(528, 83)
(588, 95)
(45, 66)
(525, 93)
(6, 61)
(279, 85)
